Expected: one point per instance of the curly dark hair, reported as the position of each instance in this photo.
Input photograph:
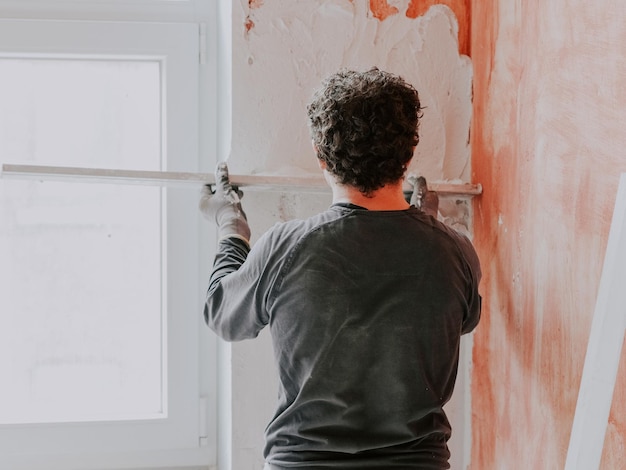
(365, 127)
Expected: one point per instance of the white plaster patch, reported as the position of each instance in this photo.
(284, 48)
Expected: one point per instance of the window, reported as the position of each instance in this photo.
(100, 284)
(74, 251)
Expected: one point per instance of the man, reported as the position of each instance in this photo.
(366, 302)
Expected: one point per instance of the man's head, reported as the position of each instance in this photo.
(364, 126)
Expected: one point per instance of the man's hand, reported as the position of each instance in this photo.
(223, 207)
(425, 200)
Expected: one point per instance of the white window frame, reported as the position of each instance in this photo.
(187, 436)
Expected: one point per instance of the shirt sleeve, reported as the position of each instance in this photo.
(234, 308)
(474, 300)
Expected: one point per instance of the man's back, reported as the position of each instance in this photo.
(366, 309)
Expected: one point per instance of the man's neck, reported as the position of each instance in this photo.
(388, 198)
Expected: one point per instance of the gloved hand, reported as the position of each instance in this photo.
(425, 200)
(223, 207)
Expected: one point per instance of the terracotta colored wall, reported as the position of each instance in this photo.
(382, 9)
(548, 144)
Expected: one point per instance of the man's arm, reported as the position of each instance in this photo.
(428, 202)
(231, 254)
(231, 309)
(474, 300)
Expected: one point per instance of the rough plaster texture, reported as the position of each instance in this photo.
(281, 51)
(548, 146)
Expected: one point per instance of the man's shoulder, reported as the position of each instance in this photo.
(464, 244)
(303, 225)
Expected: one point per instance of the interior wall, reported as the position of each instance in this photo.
(281, 50)
(284, 48)
(548, 147)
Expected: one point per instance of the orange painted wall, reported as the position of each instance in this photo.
(382, 9)
(548, 144)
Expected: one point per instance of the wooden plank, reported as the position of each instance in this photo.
(182, 179)
(603, 349)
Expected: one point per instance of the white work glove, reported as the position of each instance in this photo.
(223, 207)
(425, 200)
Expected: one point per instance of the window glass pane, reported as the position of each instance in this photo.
(81, 265)
(89, 113)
